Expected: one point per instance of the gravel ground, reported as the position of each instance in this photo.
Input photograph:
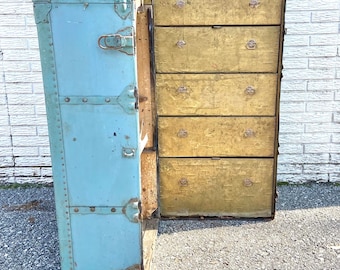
(305, 234)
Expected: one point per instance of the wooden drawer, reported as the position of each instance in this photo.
(225, 187)
(216, 136)
(217, 12)
(216, 94)
(210, 50)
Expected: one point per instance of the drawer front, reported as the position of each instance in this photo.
(217, 12)
(225, 187)
(216, 94)
(207, 50)
(216, 136)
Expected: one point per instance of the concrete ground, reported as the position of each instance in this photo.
(305, 234)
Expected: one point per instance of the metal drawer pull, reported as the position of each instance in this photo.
(180, 3)
(250, 90)
(254, 3)
(249, 133)
(181, 43)
(183, 182)
(182, 89)
(182, 133)
(251, 44)
(248, 182)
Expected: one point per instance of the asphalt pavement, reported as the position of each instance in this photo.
(305, 234)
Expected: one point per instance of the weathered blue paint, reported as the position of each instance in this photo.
(90, 97)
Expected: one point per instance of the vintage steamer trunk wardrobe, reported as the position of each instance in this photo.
(217, 77)
(218, 71)
(88, 56)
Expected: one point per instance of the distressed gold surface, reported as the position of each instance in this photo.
(216, 94)
(209, 50)
(225, 187)
(217, 12)
(216, 136)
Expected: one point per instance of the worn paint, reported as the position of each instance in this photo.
(222, 187)
(209, 50)
(91, 97)
(216, 94)
(218, 66)
(216, 136)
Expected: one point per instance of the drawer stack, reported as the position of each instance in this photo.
(218, 70)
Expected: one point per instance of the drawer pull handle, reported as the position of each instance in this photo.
(182, 133)
(181, 43)
(180, 3)
(248, 182)
(254, 3)
(249, 133)
(183, 182)
(182, 89)
(250, 90)
(251, 44)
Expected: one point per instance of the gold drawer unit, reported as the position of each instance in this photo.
(216, 94)
(216, 136)
(224, 187)
(217, 12)
(218, 70)
(210, 50)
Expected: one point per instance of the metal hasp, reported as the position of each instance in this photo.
(92, 109)
(122, 41)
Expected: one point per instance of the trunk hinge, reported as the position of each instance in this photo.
(132, 210)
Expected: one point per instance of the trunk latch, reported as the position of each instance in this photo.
(122, 41)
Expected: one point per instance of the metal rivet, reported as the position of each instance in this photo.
(250, 90)
(251, 44)
(84, 99)
(76, 210)
(247, 182)
(67, 99)
(181, 43)
(107, 100)
(113, 210)
(92, 209)
(182, 133)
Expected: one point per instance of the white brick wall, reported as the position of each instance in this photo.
(310, 108)
(24, 146)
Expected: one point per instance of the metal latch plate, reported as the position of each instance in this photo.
(122, 41)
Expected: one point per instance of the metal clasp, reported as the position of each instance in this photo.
(122, 41)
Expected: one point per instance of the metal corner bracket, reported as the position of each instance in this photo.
(123, 8)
